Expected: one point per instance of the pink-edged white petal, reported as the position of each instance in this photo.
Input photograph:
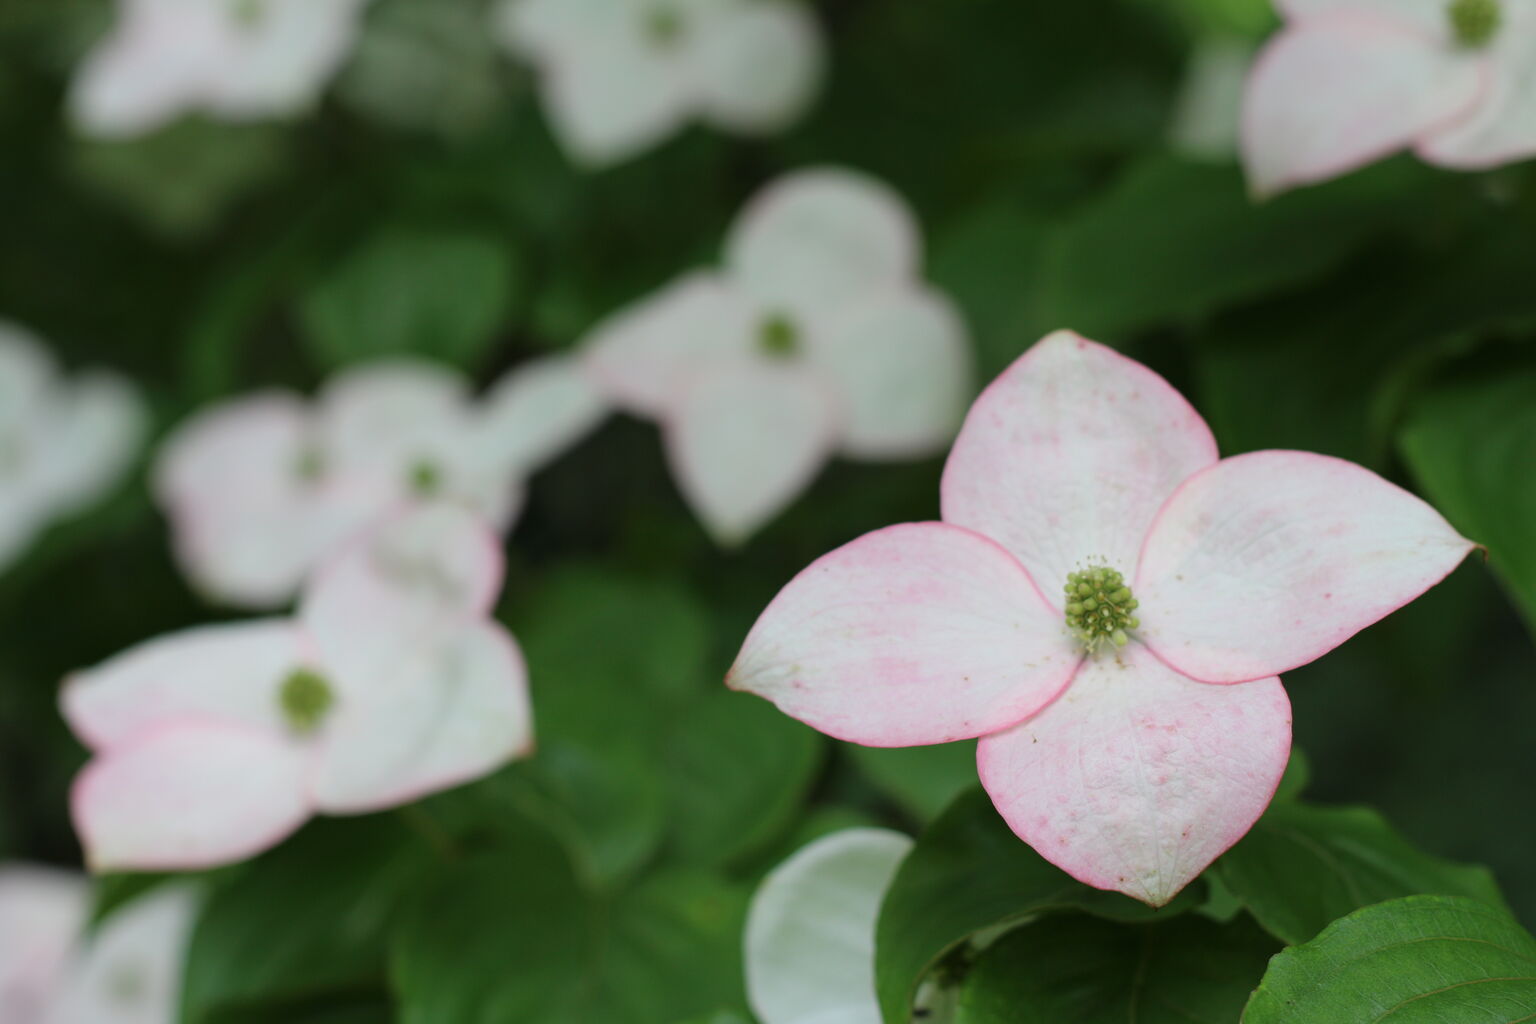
(451, 709)
(1336, 93)
(643, 355)
(94, 428)
(27, 373)
(282, 59)
(1502, 127)
(756, 68)
(384, 418)
(914, 634)
(613, 97)
(227, 673)
(432, 564)
(131, 970)
(1207, 116)
(1270, 560)
(43, 913)
(536, 412)
(1428, 17)
(1137, 777)
(189, 794)
(542, 28)
(1066, 458)
(244, 446)
(815, 239)
(810, 940)
(745, 438)
(903, 365)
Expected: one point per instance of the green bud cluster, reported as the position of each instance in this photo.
(1475, 22)
(305, 698)
(1099, 607)
(778, 337)
(664, 26)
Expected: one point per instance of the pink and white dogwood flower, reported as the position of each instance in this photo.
(63, 443)
(1350, 81)
(817, 338)
(619, 76)
(129, 971)
(259, 488)
(233, 59)
(393, 681)
(1107, 605)
(810, 941)
(42, 913)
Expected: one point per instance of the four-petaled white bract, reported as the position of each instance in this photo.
(818, 337)
(393, 681)
(52, 972)
(261, 487)
(63, 443)
(231, 59)
(619, 76)
(1131, 767)
(810, 941)
(1350, 81)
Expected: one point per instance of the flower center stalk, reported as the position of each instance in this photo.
(305, 698)
(1475, 22)
(778, 337)
(1099, 607)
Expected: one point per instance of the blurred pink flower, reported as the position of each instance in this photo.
(214, 743)
(1109, 741)
(1350, 81)
(62, 443)
(619, 76)
(259, 488)
(232, 59)
(817, 338)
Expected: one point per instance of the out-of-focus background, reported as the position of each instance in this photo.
(1065, 173)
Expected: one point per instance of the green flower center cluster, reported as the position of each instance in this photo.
(305, 698)
(664, 26)
(1099, 607)
(1475, 22)
(249, 14)
(778, 337)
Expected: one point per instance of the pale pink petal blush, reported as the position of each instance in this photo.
(1270, 560)
(745, 438)
(1333, 94)
(1137, 777)
(1066, 458)
(914, 634)
(131, 969)
(1427, 17)
(43, 913)
(187, 795)
(535, 413)
(1502, 127)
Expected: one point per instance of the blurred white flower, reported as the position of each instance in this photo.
(53, 972)
(1207, 117)
(231, 59)
(129, 971)
(818, 337)
(63, 443)
(810, 942)
(393, 681)
(259, 488)
(619, 76)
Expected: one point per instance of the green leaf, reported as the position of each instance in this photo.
(1075, 969)
(308, 918)
(1472, 446)
(1174, 240)
(739, 770)
(437, 293)
(969, 873)
(1303, 866)
(923, 780)
(1419, 960)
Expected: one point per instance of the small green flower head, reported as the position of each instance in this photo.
(778, 337)
(1475, 22)
(305, 698)
(426, 479)
(249, 14)
(310, 466)
(1100, 607)
(664, 26)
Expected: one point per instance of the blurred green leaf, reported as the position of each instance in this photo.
(1303, 866)
(1472, 445)
(923, 780)
(1075, 969)
(307, 919)
(739, 769)
(1419, 959)
(182, 179)
(969, 873)
(434, 292)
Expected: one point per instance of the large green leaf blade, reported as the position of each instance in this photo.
(1417, 960)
